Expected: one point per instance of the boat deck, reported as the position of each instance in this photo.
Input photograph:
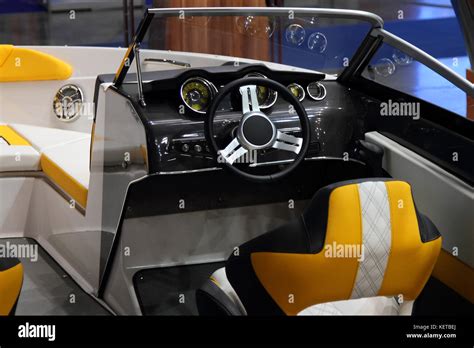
(47, 289)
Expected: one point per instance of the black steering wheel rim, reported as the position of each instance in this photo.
(285, 94)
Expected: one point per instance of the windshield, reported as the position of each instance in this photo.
(324, 45)
(316, 39)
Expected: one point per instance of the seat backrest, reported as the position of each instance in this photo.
(356, 239)
(25, 64)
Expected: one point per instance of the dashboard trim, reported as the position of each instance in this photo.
(211, 169)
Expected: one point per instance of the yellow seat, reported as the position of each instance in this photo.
(356, 246)
(25, 64)
(11, 281)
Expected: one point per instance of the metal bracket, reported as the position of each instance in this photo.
(167, 61)
(141, 97)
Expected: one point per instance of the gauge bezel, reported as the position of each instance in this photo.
(273, 94)
(212, 89)
(300, 88)
(321, 86)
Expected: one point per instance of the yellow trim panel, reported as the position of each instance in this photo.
(24, 64)
(455, 274)
(66, 182)
(12, 137)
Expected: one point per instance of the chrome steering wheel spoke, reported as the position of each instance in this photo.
(251, 105)
(287, 142)
(232, 152)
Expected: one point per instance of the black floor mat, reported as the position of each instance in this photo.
(171, 290)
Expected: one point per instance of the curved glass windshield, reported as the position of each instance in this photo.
(321, 44)
(393, 68)
(319, 41)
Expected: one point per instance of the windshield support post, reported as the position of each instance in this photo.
(361, 58)
(141, 97)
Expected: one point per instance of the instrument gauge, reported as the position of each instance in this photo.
(316, 91)
(297, 91)
(197, 93)
(266, 96)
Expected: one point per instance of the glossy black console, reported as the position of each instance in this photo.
(175, 134)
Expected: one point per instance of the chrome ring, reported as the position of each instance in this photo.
(273, 94)
(299, 87)
(212, 88)
(320, 85)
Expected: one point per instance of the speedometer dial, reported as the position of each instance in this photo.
(297, 91)
(197, 94)
(266, 96)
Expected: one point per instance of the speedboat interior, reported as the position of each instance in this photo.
(310, 175)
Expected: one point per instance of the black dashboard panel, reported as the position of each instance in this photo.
(175, 134)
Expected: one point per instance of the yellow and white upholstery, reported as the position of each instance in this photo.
(379, 305)
(16, 153)
(360, 247)
(11, 280)
(61, 154)
(64, 157)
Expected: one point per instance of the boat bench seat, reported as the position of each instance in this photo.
(16, 153)
(61, 154)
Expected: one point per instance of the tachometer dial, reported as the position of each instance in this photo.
(297, 91)
(266, 96)
(197, 94)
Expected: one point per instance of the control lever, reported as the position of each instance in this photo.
(372, 155)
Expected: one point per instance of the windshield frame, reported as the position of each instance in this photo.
(367, 48)
(374, 20)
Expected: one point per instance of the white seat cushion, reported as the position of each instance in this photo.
(16, 153)
(42, 138)
(18, 158)
(64, 157)
(379, 305)
(72, 158)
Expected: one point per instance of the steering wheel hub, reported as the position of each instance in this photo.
(256, 131)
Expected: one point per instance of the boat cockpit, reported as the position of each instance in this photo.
(141, 182)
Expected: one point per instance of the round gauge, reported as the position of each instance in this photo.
(197, 94)
(297, 91)
(316, 91)
(266, 96)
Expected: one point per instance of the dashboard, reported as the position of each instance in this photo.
(197, 93)
(177, 101)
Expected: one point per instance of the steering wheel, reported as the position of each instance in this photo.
(256, 131)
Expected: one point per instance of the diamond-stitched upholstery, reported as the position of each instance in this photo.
(376, 237)
(313, 264)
